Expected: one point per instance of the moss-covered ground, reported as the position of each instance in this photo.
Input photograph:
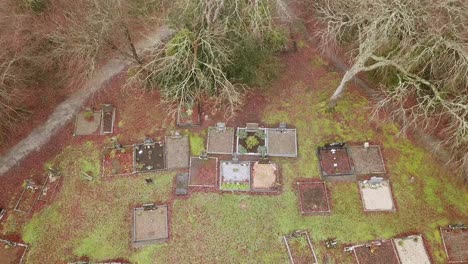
(92, 219)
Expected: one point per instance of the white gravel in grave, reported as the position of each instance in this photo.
(377, 198)
(411, 250)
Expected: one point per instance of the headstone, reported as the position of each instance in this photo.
(252, 126)
(149, 207)
(148, 141)
(282, 127)
(235, 158)
(175, 134)
(366, 145)
(204, 155)
(220, 127)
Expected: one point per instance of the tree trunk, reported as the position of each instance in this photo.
(132, 46)
(349, 75)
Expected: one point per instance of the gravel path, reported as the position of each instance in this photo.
(67, 109)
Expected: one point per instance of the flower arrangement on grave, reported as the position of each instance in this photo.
(251, 142)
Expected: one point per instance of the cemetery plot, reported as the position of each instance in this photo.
(282, 142)
(108, 119)
(455, 240)
(265, 177)
(376, 195)
(182, 184)
(335, 161)
(177, 152)
(234, 176)
(118, 161)
(313, 197)
(252, 141)
(367, 160)
(220, 140)
(376, 252)
(11, 252)
(52, 181)
(189, 114)
(150, 225)
(149, 157)
(300, 249)
(32, 191)
(411, 250)
(203, 172)
(87, 123)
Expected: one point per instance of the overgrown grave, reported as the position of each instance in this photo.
(203, 171)
(375, 252)
(87, 122)
(367, 159)
(455, 240)
(300, 248)
(189, 114)
(313, 198)
(150, 225)
(31, 192)
(12, 252)
(118, 159)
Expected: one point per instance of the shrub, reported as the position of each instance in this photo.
(242, 150)
(36, 6)
(262, 150)
(251, 142)
(241, 134)
(260, 134)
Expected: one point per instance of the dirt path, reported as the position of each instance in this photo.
(67, 109)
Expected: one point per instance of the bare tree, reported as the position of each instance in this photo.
(423, 44)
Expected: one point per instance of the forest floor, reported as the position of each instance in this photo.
(92, 220)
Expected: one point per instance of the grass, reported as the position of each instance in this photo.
(93, 219)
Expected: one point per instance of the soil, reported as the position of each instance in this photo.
(186, 120)
(87, 126)
(367, 161)
(264, 176)
(327, 159)
(203, 173)
(121, 164)
(383, 254)
(261, 142)
(301, 251)
(220, 142)
(177, 152)
(282, 143)
(11, 255)
(313, 197)
(455, 243)
(149, 157)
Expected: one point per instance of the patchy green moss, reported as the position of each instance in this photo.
(197, 144)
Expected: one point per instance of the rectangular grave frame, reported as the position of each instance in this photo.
(197, 106)
(327, 197)
(211, 128)
(99, 113)
(15, 244)
(302, 233)
(361, 196)
(235, 190)
(381, 159)
(135, 168)
(54, 188)
(420, 237)
(102, 132)
(35, 200)
(144, 242)
(203, 186)
(281, 155)
(277, 174)
(132, 147)
(381, 241)
(166, 153)
(445, 245)
(349, 176)
(251, 130)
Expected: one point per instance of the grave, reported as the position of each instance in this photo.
(282, 141)
(335, 163)
(300, 248)
(189, 114)
(376, 252)
(177, 152)
(313, 198)
(149, 156)
(87, 123)
(367, 159)
(150, 225)
(455, 240)
(118, 160)
(108, 119)
(220, 139)
(182, 184)
(411, 250)
(32, 191)
(252, 140)
(12, 252)
(376, 194)
(234, 175)
(265, 177)
(203, 172)
(53, 179)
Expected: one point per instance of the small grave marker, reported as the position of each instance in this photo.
(220, 127)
